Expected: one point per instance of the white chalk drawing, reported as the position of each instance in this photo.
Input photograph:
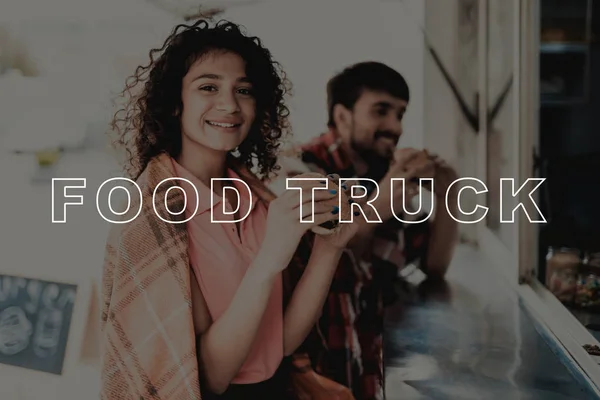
(47, 332)
(67, 297)
(46, 303)
(10, 287)
(4, 288)
(34, 290)
(51, 293)
(15, 331)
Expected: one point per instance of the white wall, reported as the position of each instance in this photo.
(446, 131)
(313, 40)
(442, 125)
(84, 50)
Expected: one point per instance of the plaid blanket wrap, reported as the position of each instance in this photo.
(148, 339)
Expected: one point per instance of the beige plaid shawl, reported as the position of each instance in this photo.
(148, 340)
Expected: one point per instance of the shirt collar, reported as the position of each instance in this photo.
(340, 158)
(207, 199)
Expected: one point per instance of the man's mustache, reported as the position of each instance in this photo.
(386, 135)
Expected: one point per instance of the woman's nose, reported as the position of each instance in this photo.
(227, 102)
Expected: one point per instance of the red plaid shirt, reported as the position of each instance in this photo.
(352, 321)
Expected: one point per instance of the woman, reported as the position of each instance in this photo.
(192, 306)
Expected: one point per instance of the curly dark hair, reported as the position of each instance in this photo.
(149, 124)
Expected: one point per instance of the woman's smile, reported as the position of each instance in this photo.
(225, 126)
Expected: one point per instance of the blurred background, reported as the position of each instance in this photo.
(499, 88)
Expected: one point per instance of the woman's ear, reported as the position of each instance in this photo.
(177, 111)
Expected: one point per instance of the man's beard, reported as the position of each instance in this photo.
(378, 164)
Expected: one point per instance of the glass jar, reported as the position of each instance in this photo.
(562, 270)
(588, 283)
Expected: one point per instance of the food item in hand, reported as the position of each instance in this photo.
(421, 158)
(332, 226)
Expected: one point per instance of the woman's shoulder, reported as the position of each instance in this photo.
(141, 232)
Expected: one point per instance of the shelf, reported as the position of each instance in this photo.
(560, 9)
(575, 101)
(563, 47)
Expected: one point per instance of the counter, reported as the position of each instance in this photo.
(471, 338)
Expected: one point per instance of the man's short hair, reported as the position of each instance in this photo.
(346, 87)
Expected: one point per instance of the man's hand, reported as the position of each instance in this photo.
(403, 166)
(445, 175)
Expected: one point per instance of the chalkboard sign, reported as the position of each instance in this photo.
(35, 319)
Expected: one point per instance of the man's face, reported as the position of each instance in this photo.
(376, 124)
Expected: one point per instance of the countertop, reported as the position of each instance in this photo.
(469, 337)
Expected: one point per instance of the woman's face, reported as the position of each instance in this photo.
(218, 103)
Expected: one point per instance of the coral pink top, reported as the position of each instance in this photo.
(220, 258)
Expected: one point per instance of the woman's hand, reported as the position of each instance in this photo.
(284, 227)
(346, 231)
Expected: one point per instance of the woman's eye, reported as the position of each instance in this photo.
(208, 88)
(245, 91)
